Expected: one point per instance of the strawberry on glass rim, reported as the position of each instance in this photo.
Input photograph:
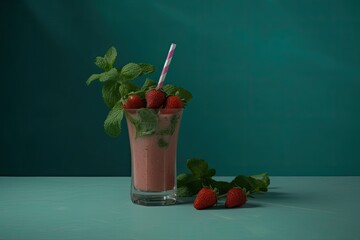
(155, 98)
(172, 105)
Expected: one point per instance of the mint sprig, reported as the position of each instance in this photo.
(118, 85)
(189, 184)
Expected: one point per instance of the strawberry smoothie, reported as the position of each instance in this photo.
(153, 156)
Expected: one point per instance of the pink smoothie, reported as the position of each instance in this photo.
(154, 164)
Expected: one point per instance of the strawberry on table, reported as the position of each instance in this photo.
(235, 197)
(206, 198)
(154, 98)
(133, 102)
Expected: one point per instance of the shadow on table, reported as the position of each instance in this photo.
(185, 200)
(274, 193)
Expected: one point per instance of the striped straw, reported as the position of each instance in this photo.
(166, 65)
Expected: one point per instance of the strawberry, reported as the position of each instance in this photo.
(235, 197)
(154, 98)
(173, 102)
(133, 102)
(205, 198)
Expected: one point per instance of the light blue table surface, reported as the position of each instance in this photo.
(100, 208)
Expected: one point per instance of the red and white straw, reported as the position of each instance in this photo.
(166, 65)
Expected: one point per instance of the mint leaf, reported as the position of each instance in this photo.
(109, 75)
(221, 186)
(264, 177)
(124, 89)
(198, 167)
(188, 185)
(101, 63)
(110, 56)
(182, 93)
(108, 60)
(172, 126)
(148, 83)
(162, 143)
(252, 184)
(132, 87)
(146, 68)
(185, 178)
(92, 78)
(130, 71)
(189, 190)
(146, 86)
(145, 121)
(112, 124)
(210, 173)
(110, 93)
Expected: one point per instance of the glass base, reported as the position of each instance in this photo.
(153, 198)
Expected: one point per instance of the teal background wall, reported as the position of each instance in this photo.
(276, 84)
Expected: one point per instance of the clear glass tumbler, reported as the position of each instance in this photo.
(153, 135)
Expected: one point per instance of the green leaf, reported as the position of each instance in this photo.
(185, 178)
(221, 186)
(130, 71)
(162, 143)
(146, 68)
(188, 185)
(133, 87)
(252, 184)
(198, 167)
(92, 78)
(129, 87)
(182, 93)
(264, 177)
(108, 60)
(148, 83)
(124, 90)
(112, 124)
(110, 93)
(210, 173)
(101, 63)
(145, 121)
(109, 75)
(110, 56)
(188, 191)
(169, 130)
